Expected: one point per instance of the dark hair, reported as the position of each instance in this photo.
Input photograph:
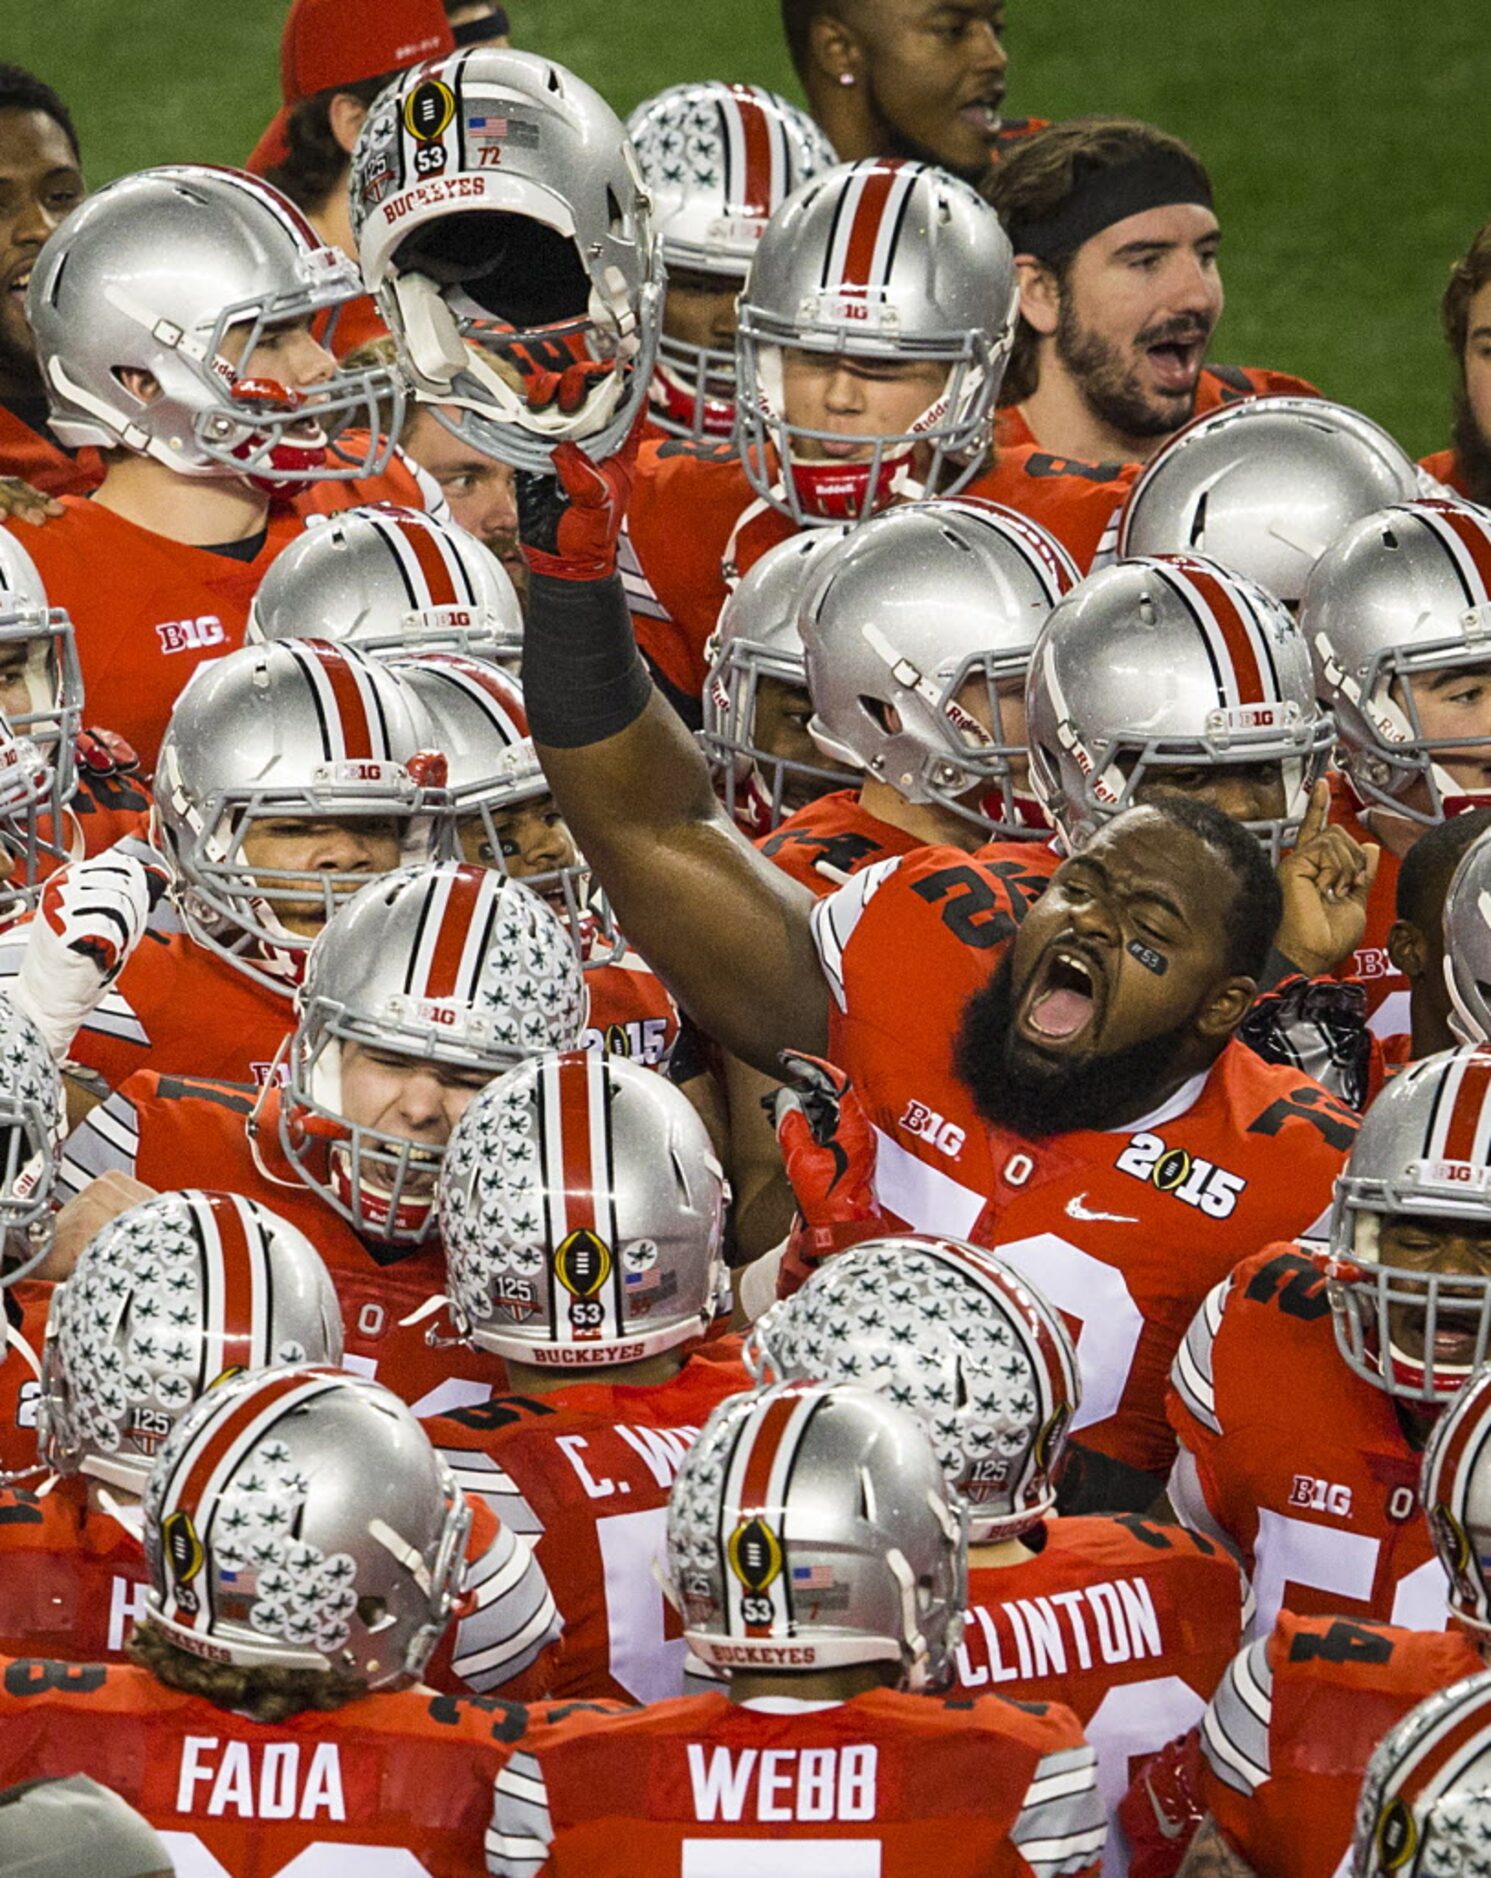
(1258, 905)
(1430, 863)
(316, 162)
(21, 90)
(797, 24)
(1469, 274)
(1034, 179)
(269, 1694)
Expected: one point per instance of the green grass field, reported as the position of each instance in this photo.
(1347, 144)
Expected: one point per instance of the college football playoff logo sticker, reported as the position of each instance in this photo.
(184, 1559)
(755, 1556)
(582, 1265)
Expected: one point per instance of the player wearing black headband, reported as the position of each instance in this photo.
(1116, 241)
(477, 22)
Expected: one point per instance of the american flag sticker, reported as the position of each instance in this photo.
(521, 132)
(811, 1578)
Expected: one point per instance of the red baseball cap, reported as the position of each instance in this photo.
(341, 42)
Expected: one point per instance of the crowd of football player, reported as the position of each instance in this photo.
(745, 1113)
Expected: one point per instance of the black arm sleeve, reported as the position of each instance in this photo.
(583, 677)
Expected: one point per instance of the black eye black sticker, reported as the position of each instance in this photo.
(1151, 960)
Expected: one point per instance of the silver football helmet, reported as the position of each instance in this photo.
(1404, 594)
(450, 965)
(1425, 1806)
(390, 580)
(1455, 1492)
(581, 1212)
(481, 728)
(501, 222)
(33, 1122)
(1424, 1149)
(1162, 662)
(1265, 486)
(888, 261)
(756, 639)
(153, 273)
(37, 646)
(717, 162)
(817, 1515)
(300, 1519)
(1467, 943)
(298, 730)
(165, 1303)
(942, 1328)
(911, 628)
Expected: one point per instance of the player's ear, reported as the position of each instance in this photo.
(1408, 948)
(345, 115)
(835, 54)
(1225, 1007)
(139, 383)
(1040, 294)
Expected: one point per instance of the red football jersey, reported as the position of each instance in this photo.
(72, 1578)
(885, 1785)
(1124, 1231)
(172, 1132)
(37, 460)
(829, 840)
(1300, 1462)
(677, 577)
(631, 1011)
(1217, 385)
(1128, 1623)
(23, 1325)
(1290, 1730)
(323, 1795)
(584, 1476)
(1442, 466)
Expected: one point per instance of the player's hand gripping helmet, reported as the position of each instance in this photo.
(449, 965)
(481, 727)
(1424, 1150)
(300, 1519)
(1455, 1492)
(1265, 486)
(1168, 662)
(1425, 1806)
(756, 640)
(945, 1330)
(166, 1302)
(33, 1121)
(1467, 943)
(38, 649)
(299, 730)
(717, 162)
(911, 628)
(817, 1515)
(182, 272)
(390, 580)
(581, 1211)
(886, 261)
(1404, 594)
(501, 222)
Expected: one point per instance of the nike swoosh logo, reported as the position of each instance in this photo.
(1169, 1829)
(1076, 1210)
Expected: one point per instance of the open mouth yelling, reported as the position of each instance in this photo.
(1175, 364)
(1064, 1000)
(982, 114)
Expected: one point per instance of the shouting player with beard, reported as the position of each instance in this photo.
(996, 1067)
(1465, 313)
(1116, 242)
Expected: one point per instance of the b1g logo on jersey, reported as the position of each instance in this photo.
(1189, 1177)
(1372, 962)
(191, 635)
(1320, 1496)
(927, 1125)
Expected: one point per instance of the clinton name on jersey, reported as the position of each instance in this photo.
(882, 1786)
(317, 1796)
(170, 1132)
(1128, 1623)
(1125, 1231)
(1290, 1730)
(1303, 1466)
(677, 578)
(584, 1476)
